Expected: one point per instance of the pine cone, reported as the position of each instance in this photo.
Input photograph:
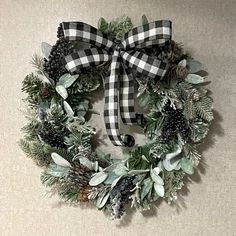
(79, 176)
(50, 136)
(176, 72)
(195, 95)
(44, 92)
(84, 193)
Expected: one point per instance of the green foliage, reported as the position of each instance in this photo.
(154, 122)
(36, 151)
(115, 29)
(173, 181)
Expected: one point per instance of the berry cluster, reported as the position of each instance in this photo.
(175, 123)
(120, 195)
(54, 65)
(49, 135)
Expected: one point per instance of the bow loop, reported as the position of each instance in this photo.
(157, 32)
(119, 85)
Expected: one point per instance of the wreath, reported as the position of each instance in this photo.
(124, 61)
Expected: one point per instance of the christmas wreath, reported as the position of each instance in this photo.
(124, 61)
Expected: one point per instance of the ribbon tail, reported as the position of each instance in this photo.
(111, 107)
(127, 112)
(111, 103)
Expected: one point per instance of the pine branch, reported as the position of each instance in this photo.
(36, 151)
(191, 153)
(38, 63)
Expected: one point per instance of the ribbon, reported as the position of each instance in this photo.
(119, 85)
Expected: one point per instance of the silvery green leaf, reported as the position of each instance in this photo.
(144, 20)
(67, 80)
(62, 91)
(146, 187)
(114, 183)
(120, 169)
(171, 164)
(68, 109)
(59, 160)
(86, 162)
(176, 152)
(187, 166)
(46, 49)
(194, 79)
(98, 178)
(194, 66)
(183, 63)
(159, 189)
(57, 171)
(137, 172)
(102, 200)
(156, 178)
(111, 177)
(156, 170)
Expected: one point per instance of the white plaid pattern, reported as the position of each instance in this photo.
(119, 86)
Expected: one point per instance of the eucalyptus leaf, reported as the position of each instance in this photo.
(46, 49)
(159, 189)
(62, 91)
(59, 160)
(194, 66)
(194, 79)
(68, 109)
(98, 178)
(67, 80)
(187, 166)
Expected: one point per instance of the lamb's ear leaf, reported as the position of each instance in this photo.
(159, 189)
(102, 200)
(62, 91)
(98, 178)
(59, 160)
(194, 79)
(68, 109)
(187, 166)
(193, 66)
(67, 80)
(46, 49)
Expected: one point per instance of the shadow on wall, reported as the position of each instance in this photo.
(215, 131)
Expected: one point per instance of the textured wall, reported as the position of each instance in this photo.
(207, 28)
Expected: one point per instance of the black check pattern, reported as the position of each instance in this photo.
(119, 86)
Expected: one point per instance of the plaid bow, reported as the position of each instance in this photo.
(119, 86)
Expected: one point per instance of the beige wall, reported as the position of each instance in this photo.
(208, 29)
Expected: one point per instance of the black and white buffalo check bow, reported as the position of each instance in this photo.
(119, 86)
